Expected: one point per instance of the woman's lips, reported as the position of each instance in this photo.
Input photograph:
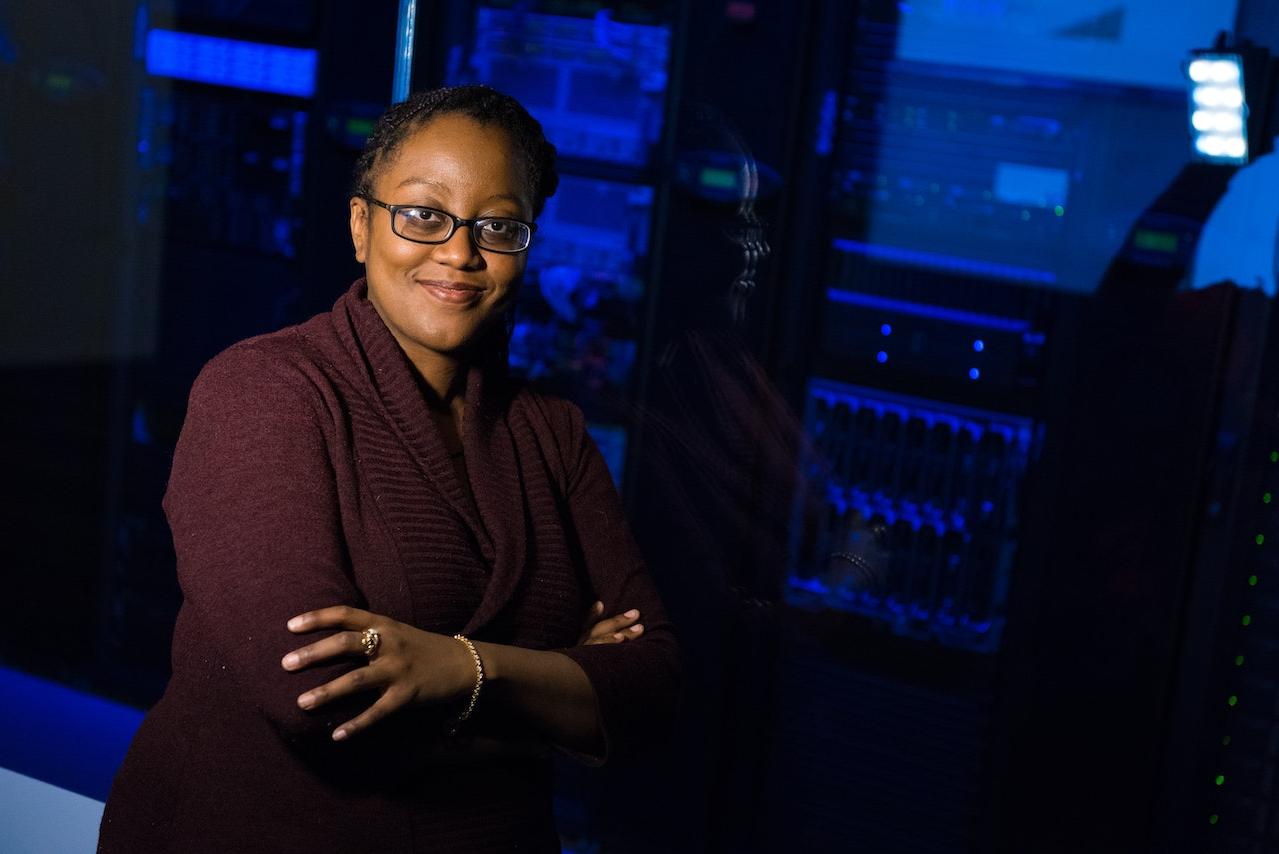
(452, 293)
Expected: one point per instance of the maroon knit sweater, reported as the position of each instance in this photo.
(309, 473)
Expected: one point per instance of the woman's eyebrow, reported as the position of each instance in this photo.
(417, 179)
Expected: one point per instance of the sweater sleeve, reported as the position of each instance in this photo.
(637, 683)
(253, 508)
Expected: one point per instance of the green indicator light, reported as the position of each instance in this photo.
(1252, 581)
(1274, 456)
(1221, 778)
(719, 179)
(1159, 241)
(1265, 498)
(1059, 210)
(1225, 741)
(1233, 701)
(1259, 539)
(1247, 620)
(1238, 661)
(359, 127)
(1212, 819)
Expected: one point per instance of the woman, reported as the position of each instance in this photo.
(386, 550)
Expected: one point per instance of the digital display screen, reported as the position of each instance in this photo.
(1136, 42)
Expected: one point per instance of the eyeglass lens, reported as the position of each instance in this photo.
(503, 235)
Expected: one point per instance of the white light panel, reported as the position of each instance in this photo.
(1218, 111)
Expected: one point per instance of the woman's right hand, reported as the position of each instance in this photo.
(617, 629)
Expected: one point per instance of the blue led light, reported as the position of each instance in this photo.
(886, 329)
(974, 373)
(881, 357)
(933, 312)
(230, 62)
(979, 345)
(942, 261)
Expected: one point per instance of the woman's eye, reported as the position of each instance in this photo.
(498, 226)
(425, 216)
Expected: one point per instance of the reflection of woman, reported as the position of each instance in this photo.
(387, 551)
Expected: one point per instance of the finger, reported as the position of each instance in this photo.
(386, 704)
(359, 679)
(340, 644)
(592, 614)
(629, 634)
(337, 616)
(615, 624)
(618, 637)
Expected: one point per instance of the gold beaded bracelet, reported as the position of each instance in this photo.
(475, 692)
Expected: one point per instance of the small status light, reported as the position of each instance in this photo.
(1260, 539)
(1214, 145)
(1225, 742)
(1210, 71)
(1212, 819)
(718, 179)
(1274, 456)
(1228, 97)
(979, 345)
(1247, 620)
(1232, 701)
(1216, 121)
(881, 357)
(1266, 497)
(1252, 581)
(974, 374)
(886, 329)
(1059, 210)
(1221, 778)
(1238, 661)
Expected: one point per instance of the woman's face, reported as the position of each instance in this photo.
(438, 298)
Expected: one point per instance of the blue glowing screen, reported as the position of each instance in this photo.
(230, 62)
(1009, 141)
(1138, 42)
(611, 440)
(596, 84)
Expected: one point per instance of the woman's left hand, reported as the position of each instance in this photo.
(409, 667)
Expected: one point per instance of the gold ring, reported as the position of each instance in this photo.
(370, 639)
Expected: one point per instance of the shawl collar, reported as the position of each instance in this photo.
(389, 381)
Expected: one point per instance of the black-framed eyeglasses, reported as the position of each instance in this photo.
(421, 224)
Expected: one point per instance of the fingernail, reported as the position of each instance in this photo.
(305, 701)
(290, 660)
(619, 636)
(338, 735)
(637, 628)
(296, 622)
(631, 614)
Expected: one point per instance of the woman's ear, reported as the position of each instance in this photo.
(360, 228)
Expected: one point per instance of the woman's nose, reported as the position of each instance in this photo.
(459, 250)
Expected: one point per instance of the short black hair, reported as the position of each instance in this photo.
(481, 103)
